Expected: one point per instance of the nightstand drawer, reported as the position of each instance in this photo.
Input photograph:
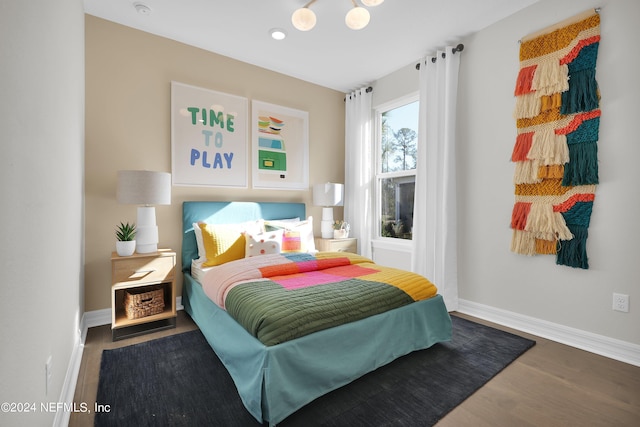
(143, 270)
(344, 245)
(337, 245)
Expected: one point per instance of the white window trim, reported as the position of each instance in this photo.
(376, 237)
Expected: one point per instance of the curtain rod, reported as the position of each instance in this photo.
(368, 89)
(458, 48)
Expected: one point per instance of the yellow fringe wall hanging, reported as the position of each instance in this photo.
(555, 154)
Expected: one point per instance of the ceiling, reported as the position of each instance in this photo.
(330, 55)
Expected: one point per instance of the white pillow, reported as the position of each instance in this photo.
(298, 235)
(202, 255)
(284, 220)
(267, 242)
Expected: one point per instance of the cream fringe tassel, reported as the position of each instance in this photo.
(549, 148)
(544, 223)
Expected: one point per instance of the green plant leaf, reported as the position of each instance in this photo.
(126, 232)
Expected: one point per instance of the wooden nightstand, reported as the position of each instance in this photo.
(142, 273)
(350, 244)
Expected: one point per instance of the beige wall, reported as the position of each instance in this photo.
(128, 75)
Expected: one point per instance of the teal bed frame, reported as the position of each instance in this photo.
(275, 381)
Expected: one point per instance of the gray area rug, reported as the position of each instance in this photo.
(179, 381)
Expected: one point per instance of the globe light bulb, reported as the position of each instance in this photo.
(357, 18)
(303, 19)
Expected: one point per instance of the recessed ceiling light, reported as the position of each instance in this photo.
(142, 8)
(277, 33)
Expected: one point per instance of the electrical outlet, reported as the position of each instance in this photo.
(621, 302)
(48, 372)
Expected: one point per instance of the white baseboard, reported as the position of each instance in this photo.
(89, 319)
(70, 380)
(599, 344)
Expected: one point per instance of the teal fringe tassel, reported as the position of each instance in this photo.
(582, 168)
(573, 253)
(582, 94)
(579, 215)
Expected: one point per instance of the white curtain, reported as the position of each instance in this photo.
(434, 216)
(358, 174)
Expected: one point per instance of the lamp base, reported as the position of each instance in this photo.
(146, 230)
(146, 249)
(326, 225)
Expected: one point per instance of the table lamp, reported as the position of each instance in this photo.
(328, 195)
(145, 188)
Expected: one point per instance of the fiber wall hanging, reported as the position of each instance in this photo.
(555, 154)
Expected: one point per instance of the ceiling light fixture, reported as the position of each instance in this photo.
(357, 18)
(278, 33)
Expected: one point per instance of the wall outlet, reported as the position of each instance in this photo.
(621, 302)
(47, 372)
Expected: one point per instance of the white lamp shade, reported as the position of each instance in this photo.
(144, 188)
(328, 194)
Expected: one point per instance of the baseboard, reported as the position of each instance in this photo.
(89, 319)
(70, 380)
(599, 344)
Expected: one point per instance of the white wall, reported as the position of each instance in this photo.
(41, 220)
(537, 287)
(489, 274)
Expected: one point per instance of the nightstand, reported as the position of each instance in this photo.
(143, 283)
(350, 244)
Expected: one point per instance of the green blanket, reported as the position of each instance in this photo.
(299, 295)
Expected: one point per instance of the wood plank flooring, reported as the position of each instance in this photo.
(550, 385)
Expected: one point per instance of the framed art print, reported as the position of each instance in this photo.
(280, 147)
(208, 137)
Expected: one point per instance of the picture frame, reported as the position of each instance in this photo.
(280, 147)
(209, 142)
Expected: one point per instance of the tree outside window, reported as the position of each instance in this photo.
(397, 157)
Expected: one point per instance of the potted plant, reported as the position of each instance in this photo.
(125, 235)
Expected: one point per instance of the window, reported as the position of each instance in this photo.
(397, 153)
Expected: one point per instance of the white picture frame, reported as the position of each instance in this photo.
(280, 147)
(209, 142)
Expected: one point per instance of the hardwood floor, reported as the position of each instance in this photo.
(550, 385)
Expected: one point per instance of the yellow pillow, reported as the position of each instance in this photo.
(222, 243)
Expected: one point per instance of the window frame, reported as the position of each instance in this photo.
(379, 175)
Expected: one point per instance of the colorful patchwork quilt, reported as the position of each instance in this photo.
(280, 297)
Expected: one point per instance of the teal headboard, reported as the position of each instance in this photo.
(229, 213)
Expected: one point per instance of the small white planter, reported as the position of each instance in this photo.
(340, 234)
(126, 248)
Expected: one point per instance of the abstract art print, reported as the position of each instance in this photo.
(280, 147)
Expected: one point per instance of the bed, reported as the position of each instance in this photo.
(276, 380)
